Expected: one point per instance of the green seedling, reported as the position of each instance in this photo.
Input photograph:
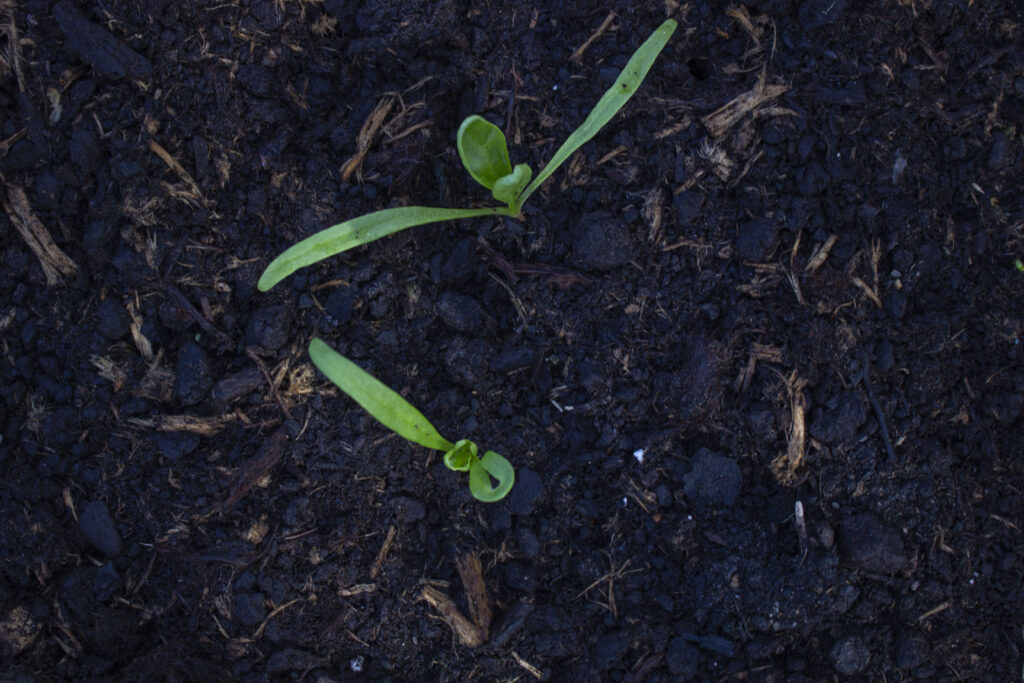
(484, 153)
(398, 415)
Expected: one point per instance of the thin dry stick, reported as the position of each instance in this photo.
(534, 671)
(274, 613)
(607, 577)
(178, 169)
(722, 119)
(467, 632)
(365, 138)
(578, 53)
(205, 426)
(379, 562)
(796, 450)
(876, 406)
(55, 262)
(786, 465)
(15, 51)
(821, 254)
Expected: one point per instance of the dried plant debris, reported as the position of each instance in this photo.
(723, 119)
(474, 631)
(254, 469)
(786, 465)
(56, 264)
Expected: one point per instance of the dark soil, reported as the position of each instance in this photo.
(701, 326)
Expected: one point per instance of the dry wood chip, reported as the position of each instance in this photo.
(534, 671)
(367, 133)
(13, 56)
(255, 468)
(233, 386)
(742, 17)
(476, 592)
(786, 465)
(724, 118)
(935, 610)
(193, 189)
(465, 630)
(677, 127)
(821, 254)
(612, 154)
(470, 632)
(5, 145)
(108, 370)
(358, 589)
(55, 262)
(758, 352)
(277, 610)
(653, 212)
(690, 244)
(257, 531)
(142, 343)
(158, 382)
(871, 294)
(205, 426)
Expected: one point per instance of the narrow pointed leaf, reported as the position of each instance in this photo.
(483, 151)
(358, 231)
(626, 84)
(379, 400)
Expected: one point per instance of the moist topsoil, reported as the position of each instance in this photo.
(754, 351)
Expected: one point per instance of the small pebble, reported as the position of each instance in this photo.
(460, 312)
(610, 649)
(601, 242)
(192, 374)
(850, 656)
(714, 481)
(838, 425)
(99, 529)
(112, 319)
(269, 327)
(756, 239)
(683, 659)
(250, 609)
(868, 544)
(526, 492)
(409, 510)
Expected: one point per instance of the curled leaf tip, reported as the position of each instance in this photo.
(482, 471)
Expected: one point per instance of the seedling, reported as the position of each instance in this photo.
(398, 415)
(484, 153)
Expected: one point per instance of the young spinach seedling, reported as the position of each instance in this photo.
(398, 415)
(484, 153)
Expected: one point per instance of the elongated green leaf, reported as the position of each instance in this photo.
(483, 150)
(358, 231)
(379, 400)
(480, 473)
(627, 83)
